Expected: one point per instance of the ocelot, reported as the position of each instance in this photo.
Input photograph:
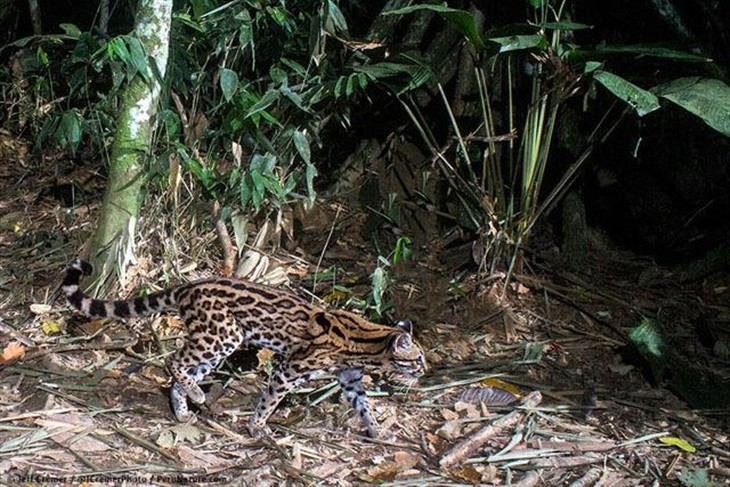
(221, 314)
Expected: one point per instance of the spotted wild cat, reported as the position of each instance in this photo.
(221, 314)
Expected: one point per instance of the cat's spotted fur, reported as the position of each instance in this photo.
(222, 314)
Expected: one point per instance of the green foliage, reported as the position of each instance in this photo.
(709, 99)
(696, 478)
(270, 77)
(503, 198)
(647, 339)
(249, 81)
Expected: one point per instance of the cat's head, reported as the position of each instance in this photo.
(407, 357)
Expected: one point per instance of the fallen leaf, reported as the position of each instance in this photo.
(406, 460)
(383, 472)
(468, 474)
(197, 459)
(449, 415)
(39, 309)
(678, 442)
(13, 351)
(451, 430)
(437, 445)
(51, 327)
(70, 430)
(264, 356)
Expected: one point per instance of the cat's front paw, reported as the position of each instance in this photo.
(258, 431)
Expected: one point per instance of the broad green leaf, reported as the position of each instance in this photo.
(259, 189)
(335, 15)
(639, 99)
(648, 341)
(637, 50)
(71, 30)
(520, 42)
(302, 145)
(138, 58)
(591, 66)
(707, 98)
(263, 103)
(229, 83)
(69, 130)
(461, 20)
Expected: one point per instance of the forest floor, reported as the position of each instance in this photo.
(85, 402)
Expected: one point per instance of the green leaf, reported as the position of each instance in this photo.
(229, 83)
(654, 51)
(335, 15)
(263, 103)
(42, 57)
(696, 478)
(138, 58)
(461, 20)
(402, 250)
(380, 283)
(259, 189)
(678, 442)
(639, 99)
(302, 145)
(648, 341)
(709, 99)
(71, 30)
(69, 130)
(566, 26)
(520, 42)
(309, 175)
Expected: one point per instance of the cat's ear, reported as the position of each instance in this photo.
(402, 343)
(404, 325)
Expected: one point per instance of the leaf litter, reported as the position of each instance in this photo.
(532, 389)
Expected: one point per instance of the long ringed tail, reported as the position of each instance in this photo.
(111, 309)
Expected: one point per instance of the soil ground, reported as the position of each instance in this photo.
(85, 402)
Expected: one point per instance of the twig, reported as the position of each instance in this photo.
(143, 443)
(229, 252)
(466, 447)
(75, 348)
(591, 477)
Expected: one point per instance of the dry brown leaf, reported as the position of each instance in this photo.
(468, 474)
(264, 355)
(198, 459)
(39, 309)
(327, 469)
(406, 460)
(68, 430)
(296, 454)
(451, 430)
(449, 415)
(13, 351)
(383, 472)
(436, 444)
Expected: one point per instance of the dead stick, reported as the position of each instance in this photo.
(466, 447)
(229, 253)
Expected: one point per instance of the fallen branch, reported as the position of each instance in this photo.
(466, 447)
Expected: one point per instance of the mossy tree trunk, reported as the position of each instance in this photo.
(112, 244)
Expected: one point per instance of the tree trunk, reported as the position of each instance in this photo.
(113, 242)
